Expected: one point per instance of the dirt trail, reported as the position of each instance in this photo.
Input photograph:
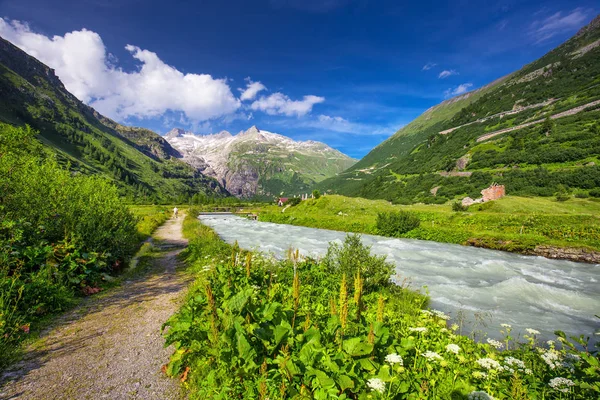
(110, 346)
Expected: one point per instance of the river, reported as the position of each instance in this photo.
(497, 287)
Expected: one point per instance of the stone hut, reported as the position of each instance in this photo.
(494, 192)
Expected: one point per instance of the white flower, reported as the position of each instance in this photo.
(479, 396)
(452, 348)
(561, 384)
(528, 371)
(514, 362)
(394, 359)
(488, 363)
(419, 329)
(432, 356)
(552, 358)
(532, 331)
(479, 375)
(506, 325)
(426, 312)
(550, 343)
(376, 384)
(498, 345)
(440, 314)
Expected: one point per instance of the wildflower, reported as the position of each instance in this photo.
(494, 343)
(488, 363)
(550, 343)
(479, 375)
(514, 362)
(394, 359)
(508, 326)
(528, 371)
(532, 331)
(561, 384)
(479, 396)
(440, 314)
(432, 356)
(454, 327)
(419, 329)
(552, 358)
(376, 384)
(426, 312)
(452, 348)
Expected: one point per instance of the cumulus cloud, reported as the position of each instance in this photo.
(252, 89)
(446, 73)
(280, 104)
(544, 29)
(155, 89)
(460, 89)
(428, 66)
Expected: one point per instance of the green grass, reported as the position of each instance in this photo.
(513, 223)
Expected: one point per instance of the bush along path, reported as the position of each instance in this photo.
(110, 346)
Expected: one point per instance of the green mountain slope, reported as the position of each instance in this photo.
(143, 165)
(534, 131)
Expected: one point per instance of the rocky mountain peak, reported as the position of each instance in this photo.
(222, 135)
(253, 130)
(175, 133)
(594, 25)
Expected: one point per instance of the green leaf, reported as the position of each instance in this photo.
(367, 364)
(324, 380)
(345, 382)
(356, 347)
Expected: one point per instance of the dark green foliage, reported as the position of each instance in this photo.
(59, 234)
(595, 192)
(458, 206)
(294, 201)
(316, 194)
(353, 257)
(397, 223)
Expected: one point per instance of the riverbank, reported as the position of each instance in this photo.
(533, 226)
(255, 327)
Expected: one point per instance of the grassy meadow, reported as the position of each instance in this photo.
(513, 223)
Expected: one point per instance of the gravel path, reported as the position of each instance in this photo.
(110, 346)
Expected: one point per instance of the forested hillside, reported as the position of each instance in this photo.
(536, 131)
(140, 162)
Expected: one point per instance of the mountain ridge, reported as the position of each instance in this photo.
(257, 162)
(442, 141)
(140, 162)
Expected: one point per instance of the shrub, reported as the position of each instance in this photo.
(316, 194)
(395, 224)
(353, 256)
(582, 195)
(458, 206)
(294, 201)
(594, 192)
(562, 197)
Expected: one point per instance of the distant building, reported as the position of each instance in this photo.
(281, 201)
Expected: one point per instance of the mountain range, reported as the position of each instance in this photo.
(146, 166)
(537, 131)
(258, 163)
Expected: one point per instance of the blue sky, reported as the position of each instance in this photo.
(348, 73)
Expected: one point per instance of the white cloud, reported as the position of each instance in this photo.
(156, 89)
(342, 125)
(279, 103)
(252, 89)
(446, 73)
(428, 66)
(542, 30)
(460, 89)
